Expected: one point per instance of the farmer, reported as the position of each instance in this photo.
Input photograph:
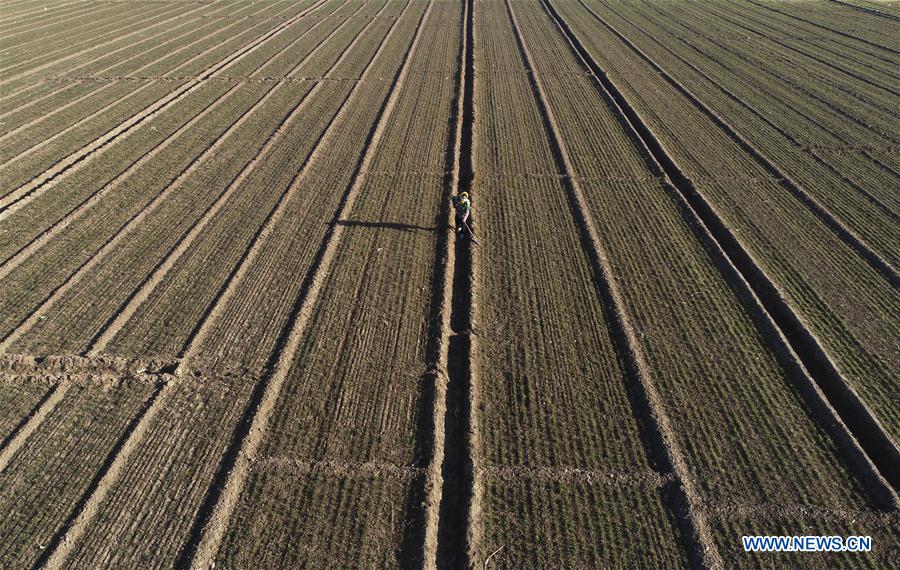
(463, 207)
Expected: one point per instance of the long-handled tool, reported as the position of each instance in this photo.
(471, 233)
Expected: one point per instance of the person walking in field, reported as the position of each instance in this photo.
(463, 208)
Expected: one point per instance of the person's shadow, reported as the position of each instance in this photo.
(389, 225)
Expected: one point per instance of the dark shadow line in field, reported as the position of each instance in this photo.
(690, 525)
(838, 32)
(383, 225)
(866, 10)
(863, 435)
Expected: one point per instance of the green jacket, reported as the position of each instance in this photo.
(461, 204)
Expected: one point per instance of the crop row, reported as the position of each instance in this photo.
(26, 86)
(553, 392)
(161, 491)
(38, 276)
(592, 524)
(121, 161)
(864, 173)
(672, 317)
(170, 51)
(831, 48)
(27, 61)
(850, 21)
(793, 65)
(51, 29)
(364, 515)
(180, 301)
(837, 48)
(386, 537)
(246, 152)
(849, 306)
(17, 402)
(47, 148)
(354, 394)
(56, 466)
(813, 21)
(717, 39)
(164, 54)
(181, 509)
(817, 110)
(38, 185)
(880, 9)
(765, 512)
(251, 318)
(21, 15)
(21, 10)
(822, 111)
(780, 132)
(810, 53)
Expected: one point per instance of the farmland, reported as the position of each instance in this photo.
(238, 327)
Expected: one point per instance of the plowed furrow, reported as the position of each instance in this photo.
(796, 143)
(860, 420)
(70, 55)
(121, 237)
(36, 187)
(199, 334)
(44, 29)
(840, 229)
(105, 479)
(18, 14)
(224, 495)
(866, 10)
(769, 31)
(19, 146)
(831, 30)
(15, 259)
(74, 98)
(121, 317)
(16, 439)
(762, 63)
(843, 71)
(701, 546)
(842, 112)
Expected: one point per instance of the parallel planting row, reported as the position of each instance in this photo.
(234, 317)
(845, 300)
(302, 234)
(675, 298)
